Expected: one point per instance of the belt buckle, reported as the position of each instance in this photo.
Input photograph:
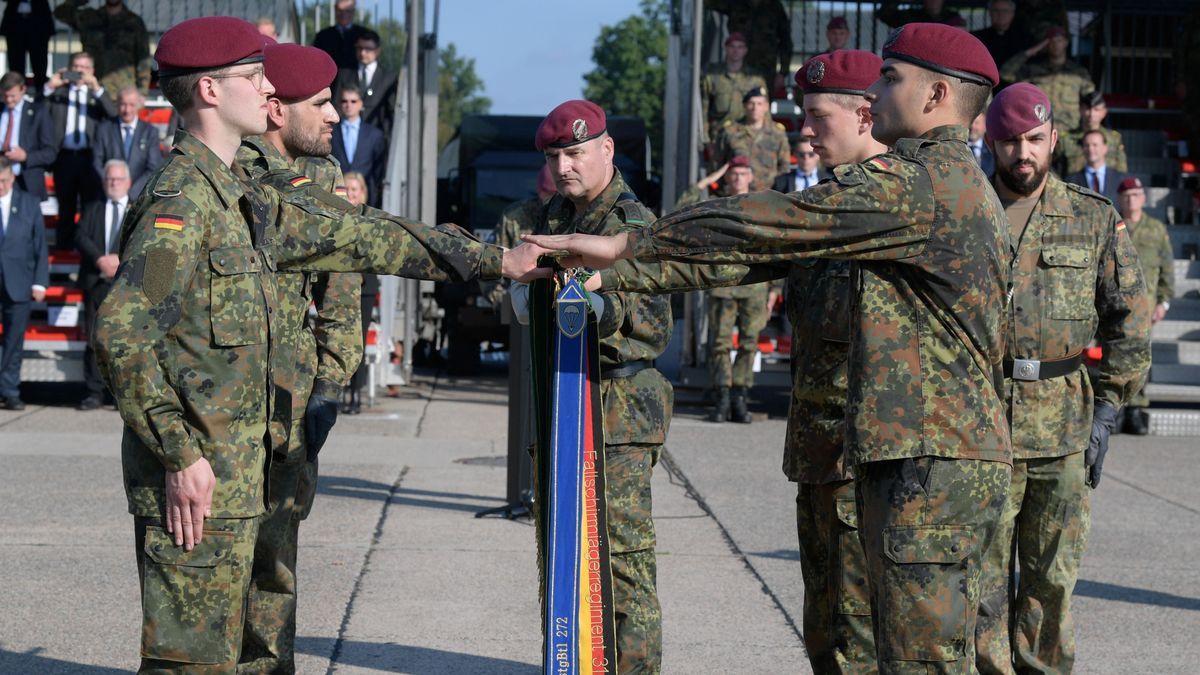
(1028, 370)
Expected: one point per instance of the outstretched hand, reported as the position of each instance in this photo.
(521, 263)
(586, 250)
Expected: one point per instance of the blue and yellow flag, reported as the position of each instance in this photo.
(569, 467)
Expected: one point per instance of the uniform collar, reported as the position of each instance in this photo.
(591, 219)
(262, 150)
(220, 176)
(1056, 198)
(947, 132)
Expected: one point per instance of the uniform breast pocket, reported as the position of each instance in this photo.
(238, 311)
(835, 287)
(1070, 281)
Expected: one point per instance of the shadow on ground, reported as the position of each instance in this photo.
(33, 662)
(359, 488)
(1140, 596)
(396, 658)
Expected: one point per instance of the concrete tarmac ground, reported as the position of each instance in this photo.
(397, 576)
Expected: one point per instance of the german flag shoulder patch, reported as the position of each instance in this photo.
(1120, 225)
(166, 221)
(881, 163)
(300, 181)
(340, 191)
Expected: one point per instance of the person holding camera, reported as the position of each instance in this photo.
(78, 105)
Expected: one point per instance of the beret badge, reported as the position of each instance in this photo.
(1040, 112)
(816, 72)
(579, 129)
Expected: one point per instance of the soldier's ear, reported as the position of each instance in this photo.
(1053, 138)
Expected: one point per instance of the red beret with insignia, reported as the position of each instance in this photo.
(736, 37)
(208, 43)
(1131, 183)
(1016, 109)
(571, 123)
(943, 49)
(844, 71)
(739, 160)
(297, 71)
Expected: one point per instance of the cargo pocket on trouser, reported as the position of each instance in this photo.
(306, 490)
(191, 602)
(927, 598)
(627, 473)
(850, 572)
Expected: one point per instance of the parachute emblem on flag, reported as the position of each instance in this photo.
(572, 312)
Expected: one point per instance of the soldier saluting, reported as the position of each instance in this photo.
(926, 430)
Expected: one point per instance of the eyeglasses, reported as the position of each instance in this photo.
(255, 77)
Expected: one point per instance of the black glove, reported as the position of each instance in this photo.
(1104, 421)
(319, 417)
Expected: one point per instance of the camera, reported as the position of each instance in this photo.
(72, 76)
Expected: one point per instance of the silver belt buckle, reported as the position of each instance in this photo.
(1027, 369)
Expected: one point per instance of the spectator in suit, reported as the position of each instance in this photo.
(338, 40)
(26, 136)
(808, 171)
(1096, 174)
(376, 84)
(24, 275)
(1002, 41)
(78, 106)
(983, 154)
(359, 145)
(27, 27)
(358, 194)
(98, 237)
(130, 139)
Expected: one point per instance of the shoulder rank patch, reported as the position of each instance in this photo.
(300, 181)
(168, 222)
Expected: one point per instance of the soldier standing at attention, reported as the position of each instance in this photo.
(1068, 154)
(1048, 66)
(724, 84)
(1075, 275)
(186, 339)
(116, 38)
(633, 329)
(768, 23)
(315, 360)
(757, 137)
(746, 307)
(837, 34)
(1153, 246)
(926, 432)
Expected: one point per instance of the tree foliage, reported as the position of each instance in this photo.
(631, 66)
(460, 92)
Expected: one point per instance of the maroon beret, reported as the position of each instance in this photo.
(736, 37)
(837, 22)
(1016, 109)
(739, 160)
(943, 49)
(843, 71)
(1056, 31)
(1131, 183)
(571, 123)
(207, 43)
(297, 71)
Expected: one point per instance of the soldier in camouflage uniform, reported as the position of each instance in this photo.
(316, 360)
(926, 430)
(187, 342)
(746, 307)
(637, 400)
(769, 28)
(116, 38)
(1068, 153)
(757, 137)
(1075, 275)
(1054, 72)
(1153, 246)
(723, 86)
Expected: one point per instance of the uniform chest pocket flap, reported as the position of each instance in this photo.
(238, 305)
(1070, 281)
(835, 287)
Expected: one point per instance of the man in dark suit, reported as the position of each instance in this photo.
(981, 151)
(24, 275)
(78, 105)
(808, 171)
(26, 136)
(1096, 174)
(130, 139)
(97, 239)
(338, 40)
(358, 145)
(376, 84)
(27, 26)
